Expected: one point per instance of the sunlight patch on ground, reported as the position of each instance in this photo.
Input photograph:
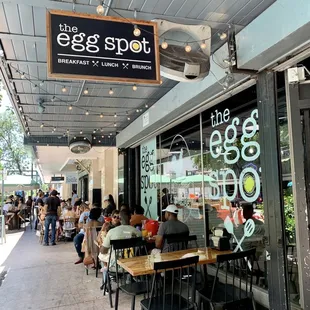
(6, 248)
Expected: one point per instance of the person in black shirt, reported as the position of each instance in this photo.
(110, 205)
(53, 204)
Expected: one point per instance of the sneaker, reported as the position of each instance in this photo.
(80, 261)
(54, 243)
(45, 244)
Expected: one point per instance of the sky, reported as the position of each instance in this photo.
(5, 101)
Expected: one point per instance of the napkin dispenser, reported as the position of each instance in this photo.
(221, 239)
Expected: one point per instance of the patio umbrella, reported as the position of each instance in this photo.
(158, 178)
(19, 182)
(193, 179)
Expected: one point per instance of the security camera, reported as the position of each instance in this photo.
(191, 71)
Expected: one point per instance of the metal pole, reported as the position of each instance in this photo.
(272, 191)
(2, 196)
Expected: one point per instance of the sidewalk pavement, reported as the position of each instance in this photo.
(37, 277)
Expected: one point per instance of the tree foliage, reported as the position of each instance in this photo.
(12, 151)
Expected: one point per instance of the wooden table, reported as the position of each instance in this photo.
(142, 265)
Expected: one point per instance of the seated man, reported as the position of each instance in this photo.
(124, 231)
(138, 216)
(171, 226)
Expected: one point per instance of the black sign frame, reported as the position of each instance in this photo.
(154, 73)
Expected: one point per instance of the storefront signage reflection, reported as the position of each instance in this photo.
(227, 146)
(148, 185)
(92, 47)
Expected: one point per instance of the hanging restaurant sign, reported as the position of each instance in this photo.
(91, 47)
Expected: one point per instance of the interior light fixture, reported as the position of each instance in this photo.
(115, 115)
(136, 31)
(81, 132)
(100, 9)
(74, 138)
(42, 125)
(67, 131)
(101, 115)
(53, 99)
(35, 86)
(87, 113)
(94, 138)
(70, 107)
(111, 92)
(94, 131)
(128, 118)
(64, 134)
(222, 35)
(203, 45)
(20, 109)
(84, 138)
(137, 110)
(146, 105)
(54, 129)
(134, 87)
(102, 137)
(86, 91)
(64, 89)
(161, 81)
(99, 141)
(140, 110)
(164, 45)
(114, 124)
(188, 48)
(22, 75)
(41, 83)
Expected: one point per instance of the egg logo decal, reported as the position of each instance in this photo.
(135, 46)
(249, 184)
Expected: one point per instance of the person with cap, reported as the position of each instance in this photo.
(52, 210)
(110, 205)
(171, 226)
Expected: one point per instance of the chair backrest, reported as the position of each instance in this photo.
(177, 242)
(172, 274)
(125, 248)
(239, 266)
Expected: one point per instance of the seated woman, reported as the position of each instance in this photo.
(90, 248)
(69, 217)
(107, 226)
(104, 258)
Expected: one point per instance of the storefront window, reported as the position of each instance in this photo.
(234, 202)
(181, 175)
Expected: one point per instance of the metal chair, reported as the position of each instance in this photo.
(226, 296)
(179, 242)
(169, 296)
(125, 248)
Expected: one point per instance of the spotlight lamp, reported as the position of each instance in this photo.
(86, 91)
(64, 89)
(136, 31)
(188, 48)
(164, 45)
(203, 45)
(111, 92)
(222, 35)
(134, 87)
(100, 9)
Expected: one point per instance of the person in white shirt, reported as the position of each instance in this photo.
(124, 231)
(74, 197)
(7, 206)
